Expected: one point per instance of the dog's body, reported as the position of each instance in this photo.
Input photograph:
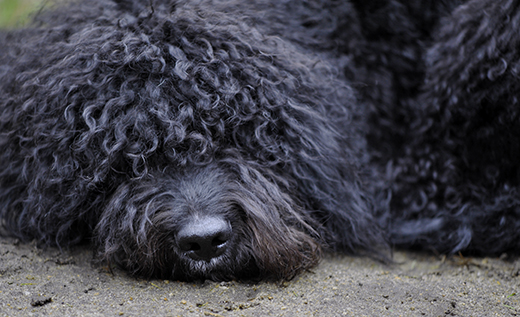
(455, 181)
(229, 140)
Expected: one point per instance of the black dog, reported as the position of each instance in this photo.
(221, 140)
(183, 141)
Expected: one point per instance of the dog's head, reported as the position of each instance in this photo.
(209, 222)
(193, 143)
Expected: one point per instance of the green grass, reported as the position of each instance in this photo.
(15, 12)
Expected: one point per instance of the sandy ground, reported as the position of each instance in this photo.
(35, 282)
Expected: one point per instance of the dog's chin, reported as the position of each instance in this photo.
(216, 269)
(225, 267)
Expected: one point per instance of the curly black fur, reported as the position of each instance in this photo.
(456, 183)
(280, 128)
(124, 123)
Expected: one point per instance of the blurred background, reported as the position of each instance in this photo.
(15, 13)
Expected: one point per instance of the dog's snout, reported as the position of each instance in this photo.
(205, 239)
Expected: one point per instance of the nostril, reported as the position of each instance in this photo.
(204, 239)
(189, 246)
(218, 241)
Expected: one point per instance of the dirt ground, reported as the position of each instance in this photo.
(35, 282)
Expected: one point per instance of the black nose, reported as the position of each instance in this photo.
(204, 239)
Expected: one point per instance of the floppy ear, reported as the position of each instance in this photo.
(330, 187)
